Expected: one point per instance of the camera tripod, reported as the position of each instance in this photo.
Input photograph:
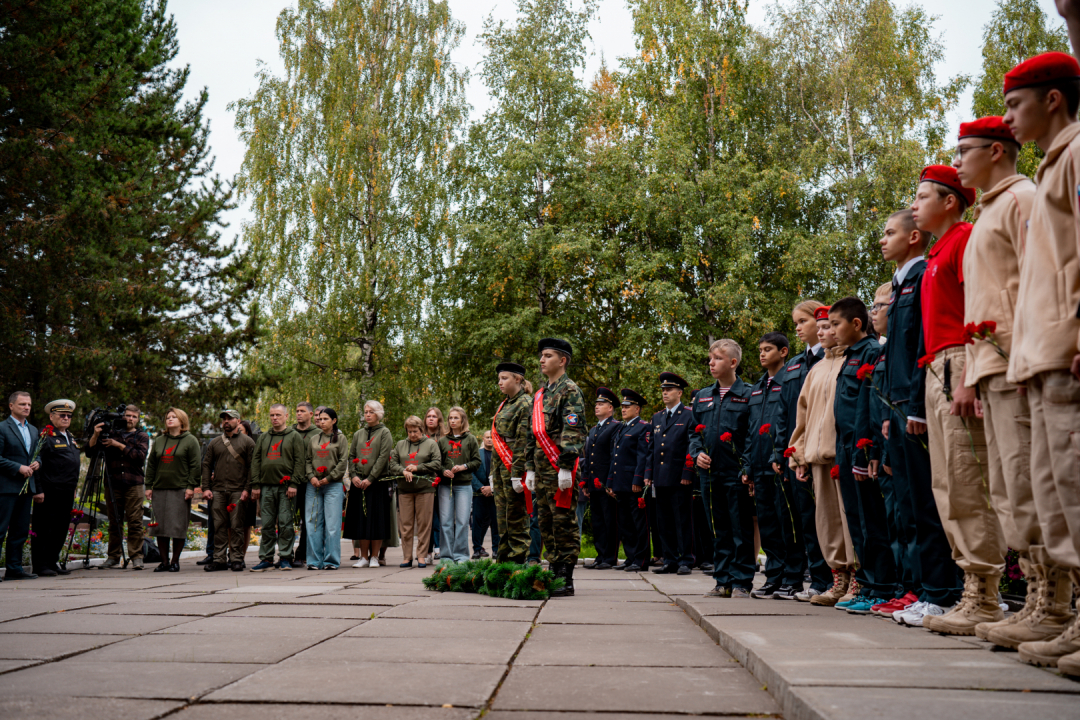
(97, 478)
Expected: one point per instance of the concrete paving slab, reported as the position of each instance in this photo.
(620, 646)
(73, 624)
(159, 607)
(167, 681)
(19, 607)
(342, 612)
(259, 711)
(729, 606)
(524, 715)
(461, 612)
(846, 703)
(226, 648)
(728, 690)
(346, 598)
(611, 596)
(285, 589)
(438, 629)
(372, 682)
(268, 627)
(9, 665)
(582, 613)
(44, 646)
(451, 599)
(22, 707)
(463, 651)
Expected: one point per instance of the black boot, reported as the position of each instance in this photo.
(566, 572)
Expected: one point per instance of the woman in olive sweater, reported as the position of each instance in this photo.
(172, 474)
(328, 454)
(461, 458)
(417, 461)
(367, 510)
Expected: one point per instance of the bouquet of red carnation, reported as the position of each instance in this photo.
(865, 372)
(597, 484)
(284, 479)
(47, 431)
(834, 473)
(230, 507)
(765, 429)
(790, 452)
(321, 470)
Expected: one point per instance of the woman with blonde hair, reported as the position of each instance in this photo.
(435, 428)
(462, 457)
(173, 471)
(367, 512)
(417, 462)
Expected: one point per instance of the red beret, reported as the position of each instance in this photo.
(945, 175)
(991, 128)
(1042, 69)
(822, 313)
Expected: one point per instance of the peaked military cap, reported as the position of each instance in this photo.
(60, 406)
(229, 413)
(671, 380)
(510, 367)
(555, 344)
(631, 397)
(602, 393)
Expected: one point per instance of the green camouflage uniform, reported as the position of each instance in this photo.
(512, 424)
(564, 412)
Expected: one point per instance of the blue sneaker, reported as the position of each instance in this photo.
(263, 566)
(845, 604)
(861, 605)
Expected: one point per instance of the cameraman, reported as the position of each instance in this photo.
(125, 458)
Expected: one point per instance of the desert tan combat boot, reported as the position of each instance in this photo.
(1052, 614)
(1030, 602)
(981, 604)
(1070, 664)
(841, 579)
(1047, 652)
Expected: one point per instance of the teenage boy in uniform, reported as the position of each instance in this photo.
(593, 471)
(785, 560)
(629, 453)
(670, 474)
(802, 493)
(985, 158)
(934, 584)
(955, 434)
(1042, 95)
(863, 501)
(723, 409)
(278, 464)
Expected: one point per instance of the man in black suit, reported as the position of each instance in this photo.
(629, 451)
(17, 440)
(668, 471)
(593, 471)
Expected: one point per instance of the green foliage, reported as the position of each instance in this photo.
(1018, 30)
(507, 580)
(533, 582)
(495, 578)
(115, 283)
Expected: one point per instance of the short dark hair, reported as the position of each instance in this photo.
(907, 217)
(944, 191)
(305, 403)
(16, 395)
(851, 309)
(776, 339)
(133, 408)
(1069, 89)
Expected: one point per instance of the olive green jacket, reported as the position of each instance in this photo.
(174, 463)
(428, 460)
(369, 453)
(328, 453)
(462, 450)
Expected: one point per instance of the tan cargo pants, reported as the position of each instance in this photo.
(830, 519)
(1055, 465)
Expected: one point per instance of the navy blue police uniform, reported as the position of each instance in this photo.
(594, 470)
(629, 452)
(670, 473)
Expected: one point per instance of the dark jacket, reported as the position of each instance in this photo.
(482, 475)
(428, 460)
(221, 471)
(904, 382)
(13, 455)
(279, 455)
(127, 466)
(629, 453)
(596, 455)
(766, 408)
(879, 411)
(794, 376)
(730, 415)
(461, 450)
(60, 463)
(668, 447)
(851, 407)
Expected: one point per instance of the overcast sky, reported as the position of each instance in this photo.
(222, 40)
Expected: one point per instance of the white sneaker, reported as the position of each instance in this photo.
(912, 610)
(914, 615)
(363, 563)
(374, 562)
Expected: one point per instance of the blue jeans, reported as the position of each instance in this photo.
(455, 506)
(322, 518)
(535, 541)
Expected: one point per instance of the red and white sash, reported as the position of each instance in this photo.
(563, 498)
(507, 455)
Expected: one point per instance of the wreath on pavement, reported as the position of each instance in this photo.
(486, 577)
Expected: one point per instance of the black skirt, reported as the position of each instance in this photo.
(367, 512)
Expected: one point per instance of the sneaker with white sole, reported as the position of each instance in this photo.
(362, 564)
(374, 562)
(914, 615)
(805, 595)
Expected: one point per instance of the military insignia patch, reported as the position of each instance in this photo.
(572, 419)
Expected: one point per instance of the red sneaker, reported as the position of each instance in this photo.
(895, 605)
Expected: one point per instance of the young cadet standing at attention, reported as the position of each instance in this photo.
(1042, 96)
(812, 456)
(593, 471)
(673, 477)
(629, 453)
(553, 446)
(956, 439)
(935, 577)
(722, 411)
(784, 557)
(863, 501)
(509, 435)
(986, 154)
(802, 493)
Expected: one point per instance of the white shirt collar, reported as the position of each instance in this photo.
(675, 409)
(899, 275)
(816, 350)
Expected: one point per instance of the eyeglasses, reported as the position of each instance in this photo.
(959, 151)
(877, 306)
(65, 416)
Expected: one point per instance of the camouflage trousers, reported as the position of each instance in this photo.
(558, 526)
(510, 517)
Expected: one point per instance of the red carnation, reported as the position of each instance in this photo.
(321, 469)
(789, 452)
(865, 372)
(364, 461)
(153, 524)
(641, 502)
(864, 443)
(987, 327)
(355, 460)
(835, 472)
(50, 430)
(435, 482)
(581, 484)
(230, 507)
(287, 478)
(597, 483)
(925, 360)
(969, 333)
(699, 428)
(726, 437)
(765, 429)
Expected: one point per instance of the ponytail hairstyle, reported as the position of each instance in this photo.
(330, 413)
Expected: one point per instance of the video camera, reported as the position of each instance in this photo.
(112, 417)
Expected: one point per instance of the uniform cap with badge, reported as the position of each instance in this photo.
(1041, 70)
(632, 397)
(991, 127)
(60, 406)
(948, 177)
(555, 344)
(822, 313)
(671, 380)
(605, 395)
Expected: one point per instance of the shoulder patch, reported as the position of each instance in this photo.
(572, 419)
(738, 400)
(796, 366)
(853, 361)
(908, 290)
(777, 388)
(757, 392)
